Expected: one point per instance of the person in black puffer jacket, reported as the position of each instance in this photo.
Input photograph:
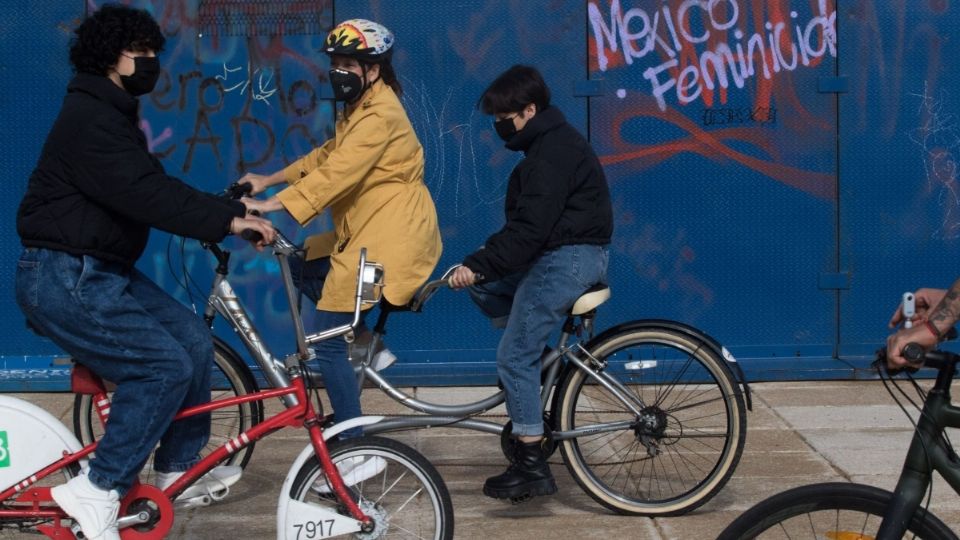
(84, 221)
(552, 248)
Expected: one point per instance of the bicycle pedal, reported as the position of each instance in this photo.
(193, 502)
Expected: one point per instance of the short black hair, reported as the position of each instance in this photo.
(112, 29)
(513, 90)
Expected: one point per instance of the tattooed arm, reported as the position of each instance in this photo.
(941, 318)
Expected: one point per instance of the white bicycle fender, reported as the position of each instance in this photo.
(294, 517)
(30, 439)
(304, 520)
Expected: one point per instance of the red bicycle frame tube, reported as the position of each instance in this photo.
(303, 414)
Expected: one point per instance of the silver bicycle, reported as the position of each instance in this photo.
(649, 415)
(405, 498)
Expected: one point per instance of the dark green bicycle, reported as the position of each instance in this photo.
(845, 511)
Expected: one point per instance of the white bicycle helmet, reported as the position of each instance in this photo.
(361, 39)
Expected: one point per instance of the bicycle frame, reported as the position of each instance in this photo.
(302, 414)
(928, 452)
(460, 415)
(289, 386)
(223, 300)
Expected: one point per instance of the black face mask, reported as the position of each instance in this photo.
(505, 129)
(146, 71)
(347, 86)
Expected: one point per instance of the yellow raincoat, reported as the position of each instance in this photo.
(371, 177)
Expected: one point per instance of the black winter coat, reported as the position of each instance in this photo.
(556, 196)
(97, 190)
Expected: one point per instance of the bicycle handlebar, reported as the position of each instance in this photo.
(431, 287)
(234, 192)
(914, 353)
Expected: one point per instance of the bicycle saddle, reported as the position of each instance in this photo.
(591, 299)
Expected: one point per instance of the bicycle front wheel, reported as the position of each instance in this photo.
(403, 493)
(837, 510)
(230, 377)
(687, 439)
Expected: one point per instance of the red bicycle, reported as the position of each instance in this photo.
(400, 495)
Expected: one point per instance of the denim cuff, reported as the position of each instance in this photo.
(175, 467)
(527, 430)
(104, 483)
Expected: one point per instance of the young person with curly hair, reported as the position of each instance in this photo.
(90, 204)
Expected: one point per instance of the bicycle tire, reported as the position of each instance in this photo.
(691, 400)
(431, 510)
(832, 510)
(230, 377)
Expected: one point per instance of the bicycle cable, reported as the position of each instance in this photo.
(916, 427)
(173, 272)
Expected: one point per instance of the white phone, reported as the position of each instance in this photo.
(909, 309)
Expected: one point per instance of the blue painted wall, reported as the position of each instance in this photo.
(781, 170)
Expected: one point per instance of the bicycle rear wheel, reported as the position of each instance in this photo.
(837, 510)
(230, 377)
(406, 499)
(685, 443)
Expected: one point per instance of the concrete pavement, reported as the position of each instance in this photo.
(798, 433)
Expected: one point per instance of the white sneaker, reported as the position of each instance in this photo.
(353, 470)
(215, 483)
(94, 509)
(382, 358)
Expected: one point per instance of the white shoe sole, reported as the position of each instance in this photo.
(367, 470)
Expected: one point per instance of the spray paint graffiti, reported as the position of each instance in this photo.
(938, 137)
(721, 62)
(255, 134)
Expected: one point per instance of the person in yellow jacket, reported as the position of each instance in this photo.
(370, 175)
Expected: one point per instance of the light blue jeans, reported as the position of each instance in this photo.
(529, 306)
(127, 330)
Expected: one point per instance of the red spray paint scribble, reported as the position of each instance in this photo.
(710, 144)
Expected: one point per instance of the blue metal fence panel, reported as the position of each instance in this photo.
(33, 60)
(900, 202)
(721, 154)
(727, 130)
(448, 52)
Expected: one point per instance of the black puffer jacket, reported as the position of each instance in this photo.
(97, 190)
(556, 196)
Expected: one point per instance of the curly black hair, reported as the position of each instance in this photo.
(112, 29)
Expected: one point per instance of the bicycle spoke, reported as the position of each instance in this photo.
(406, 502)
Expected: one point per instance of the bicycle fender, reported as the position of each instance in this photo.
(305, 520)
(693, 332)
(30, 439)
(293, 516)
(340, 427)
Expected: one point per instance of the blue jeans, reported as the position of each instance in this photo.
(127, 330)
(338, 376)
(529, 306)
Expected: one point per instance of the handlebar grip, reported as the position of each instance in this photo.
(913, 352)
(251, 235)
(237, 190)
